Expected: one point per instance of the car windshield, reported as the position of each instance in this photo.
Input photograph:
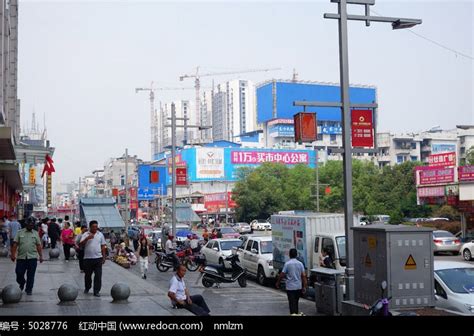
(459, 280)
(266, 247)
(227, 230)
(341, 246)
(443, 234)
(228, 245)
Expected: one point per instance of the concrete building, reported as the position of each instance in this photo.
(10, 179)
(233, 110)
(184, 109)
(394, 149)
(466, 141)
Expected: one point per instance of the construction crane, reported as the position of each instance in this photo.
(197, 84)
(154, 120)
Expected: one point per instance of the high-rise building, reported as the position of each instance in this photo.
(233, 110)
(184, 135)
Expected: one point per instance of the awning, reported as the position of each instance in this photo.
(7, 152)
(103, 210)
(184, 213)
(10, 173)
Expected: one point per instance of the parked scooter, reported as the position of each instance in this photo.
(380, 307)
(217, 274)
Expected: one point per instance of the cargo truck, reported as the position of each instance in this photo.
(309, 233)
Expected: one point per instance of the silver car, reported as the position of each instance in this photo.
(243, 228)
(454, 286)
(444, 241)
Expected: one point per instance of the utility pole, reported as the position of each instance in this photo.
(226, 204)
(126, 189)
(173, 168)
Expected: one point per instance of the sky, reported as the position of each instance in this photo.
(80, 62)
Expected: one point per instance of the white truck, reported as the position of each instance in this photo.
(309, 233)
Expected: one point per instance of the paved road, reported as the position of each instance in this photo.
(231, 299)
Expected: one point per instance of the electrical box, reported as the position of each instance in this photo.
(328, 290)
(400, 254)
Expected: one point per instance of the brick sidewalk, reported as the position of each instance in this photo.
(145, 298)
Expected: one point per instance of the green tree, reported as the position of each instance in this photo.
(470, 156)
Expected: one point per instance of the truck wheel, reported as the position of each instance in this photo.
(207, 282)
(261, 278)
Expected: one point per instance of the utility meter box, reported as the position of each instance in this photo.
(400, 254)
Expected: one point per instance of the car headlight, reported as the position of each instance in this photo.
(469, 307)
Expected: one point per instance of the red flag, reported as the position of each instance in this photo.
(48, 166)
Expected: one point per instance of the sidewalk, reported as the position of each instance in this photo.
(145, 298)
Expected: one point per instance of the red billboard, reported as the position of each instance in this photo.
(216, 201)
(430, 192)
(181, 176)
(437, 176)
(362, 126)
(442, 160)
(306, 129)
(466, 174)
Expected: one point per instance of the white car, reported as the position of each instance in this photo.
(467, 251)
(260, 225)
(454, 286)
(256, 255)
(242, 227)
(216, 250)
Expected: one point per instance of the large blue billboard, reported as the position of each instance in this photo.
(222, 164)
(151, 182)
(287, 93)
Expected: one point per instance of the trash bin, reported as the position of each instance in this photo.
(328, 290)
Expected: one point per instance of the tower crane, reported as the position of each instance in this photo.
(154, 120)
(197, 84)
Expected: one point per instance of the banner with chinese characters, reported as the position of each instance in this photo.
(362, 128)
(32, 176)
(258, 157)
(437, 176)
(306, 129)
(49, 189)
(466, 174)
(181, 176)
(430, 192)
(442, 160)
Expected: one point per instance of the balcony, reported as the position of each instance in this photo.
(384, 158)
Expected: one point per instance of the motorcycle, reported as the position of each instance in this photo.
(217, 274)
(186, 257)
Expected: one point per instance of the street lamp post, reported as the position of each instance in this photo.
(173, 163)
(343, 17)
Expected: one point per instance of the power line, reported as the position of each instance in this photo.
(434, 42)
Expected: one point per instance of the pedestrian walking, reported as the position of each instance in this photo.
(93, 242)
(54, 232)
(79, 249)
(179, 295)
(143, 254)
(77, 228)
(4, 230)
(44, 231)
(13, 227)
(296, 283)
(25, 250)
(67, 237)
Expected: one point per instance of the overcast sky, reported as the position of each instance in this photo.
(79, 63)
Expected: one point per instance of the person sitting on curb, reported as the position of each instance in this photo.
(179, 295)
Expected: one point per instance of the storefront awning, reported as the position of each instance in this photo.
(7, 152)
(103, 210)
(184, 213)
(10, 173)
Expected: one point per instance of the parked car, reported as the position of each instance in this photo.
(242, 227)
(260, 225)
(445, 241)
(454, 286)
(467, 250)
(256, 255)
(216, 250)
(228, 232)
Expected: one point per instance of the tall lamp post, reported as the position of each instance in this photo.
(173, 162)
(345, 105)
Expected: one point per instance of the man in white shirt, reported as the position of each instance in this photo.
(179, 295)
(93, 242)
